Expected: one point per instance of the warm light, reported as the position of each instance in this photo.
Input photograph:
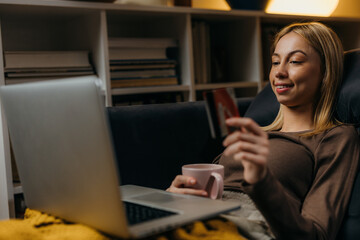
(303, 7)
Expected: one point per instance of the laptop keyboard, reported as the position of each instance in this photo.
(137, 213)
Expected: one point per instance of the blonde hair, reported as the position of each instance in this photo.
(327, 44)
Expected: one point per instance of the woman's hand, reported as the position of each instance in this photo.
(250, 145)
(181, 184)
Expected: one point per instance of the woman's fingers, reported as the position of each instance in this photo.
(257, 159)
(246, 143)
(250, 145)
(244, 136)
(245, 123)
(182, 184)
(253, 173)
(258, 148)
(189, 191)
(181, 181)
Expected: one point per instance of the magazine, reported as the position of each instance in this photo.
(220, 105)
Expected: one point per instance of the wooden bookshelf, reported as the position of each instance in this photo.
(238, 42)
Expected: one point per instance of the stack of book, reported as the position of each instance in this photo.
(29, 66)
(142, 62)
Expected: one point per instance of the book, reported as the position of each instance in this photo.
(144, 82)
(137, 53)
(218, 64)
(220, 105)
(116, 62)
(142, 42)
(44, 59)
(46, 74)
(202, 55)
(196, 52)
(205, 51)
(10, 81)
(143, 73)
(114, 67)
(47, 69)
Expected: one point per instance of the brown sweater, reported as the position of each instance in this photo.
(306, 191)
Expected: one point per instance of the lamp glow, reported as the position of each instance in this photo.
(305, 7)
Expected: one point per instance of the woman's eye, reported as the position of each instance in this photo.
(275, 63)
(295, 62)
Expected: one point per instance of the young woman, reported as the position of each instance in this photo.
(298, 171)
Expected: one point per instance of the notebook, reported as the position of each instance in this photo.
(64, 154)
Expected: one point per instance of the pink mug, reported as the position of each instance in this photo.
(209, 177)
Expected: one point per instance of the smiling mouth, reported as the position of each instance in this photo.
(284, 86)
(283, 89)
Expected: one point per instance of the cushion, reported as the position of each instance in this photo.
(350, 229)
(348, 107)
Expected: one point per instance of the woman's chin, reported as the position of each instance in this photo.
(286, 102)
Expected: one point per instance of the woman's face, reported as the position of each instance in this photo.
(295, 74)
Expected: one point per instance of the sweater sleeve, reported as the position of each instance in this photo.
(320, 215)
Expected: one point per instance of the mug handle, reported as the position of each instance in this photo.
(218, 186)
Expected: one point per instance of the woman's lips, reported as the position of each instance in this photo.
(283, 88)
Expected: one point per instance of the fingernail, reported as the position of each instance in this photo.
(192, 181)
(204, 193)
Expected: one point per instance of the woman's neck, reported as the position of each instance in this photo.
(297, 119)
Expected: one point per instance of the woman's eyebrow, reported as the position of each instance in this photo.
(290, 53)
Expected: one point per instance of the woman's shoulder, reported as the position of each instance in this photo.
(341, 130)
(347, 131)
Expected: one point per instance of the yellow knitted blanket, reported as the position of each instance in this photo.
(37, 225)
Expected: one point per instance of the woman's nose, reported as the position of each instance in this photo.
(281, 71)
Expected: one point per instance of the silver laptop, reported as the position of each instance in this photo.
(63, 150)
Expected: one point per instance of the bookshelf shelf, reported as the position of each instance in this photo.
(236, 52)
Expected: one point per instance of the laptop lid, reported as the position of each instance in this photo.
(62, 148)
